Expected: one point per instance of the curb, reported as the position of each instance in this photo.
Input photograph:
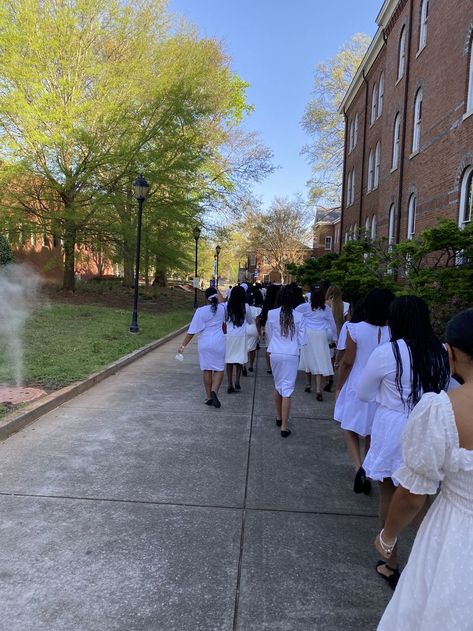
(44, 405)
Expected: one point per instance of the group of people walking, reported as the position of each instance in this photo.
(403, 400)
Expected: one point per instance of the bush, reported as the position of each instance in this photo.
(6, 254)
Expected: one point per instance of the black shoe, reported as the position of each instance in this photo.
(359, 484)
(244, 372)
(257, 346)
(278, 422)
(367, 487)
(208, 402)
(237, 386)
(393, 578)
(328, 387)
(215, 400)
(319, 396)
(270, 372)
(250, 369)
(307, 389)
(230, 389)
(285, 433)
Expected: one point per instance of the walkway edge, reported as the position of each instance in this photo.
(52, 401)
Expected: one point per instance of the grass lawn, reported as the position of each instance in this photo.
(64, 343)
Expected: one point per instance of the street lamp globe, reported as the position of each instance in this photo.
(196, 232)
(217, 249)
(141, 188)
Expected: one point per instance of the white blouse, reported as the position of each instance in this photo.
(235, 331)
(280, 344)
(319, 319)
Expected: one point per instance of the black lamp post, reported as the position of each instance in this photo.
(141, 188)
(217, 252)
(196, 232)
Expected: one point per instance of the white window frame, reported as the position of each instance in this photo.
(368, 227)
(374, 103)
(416, 130)
(392, 226)
(353, 185)
(411, 217)
(377, 165)
(348, 195)
(401, 64)
(464, 191)
(469, 101)
(370, 172)
(373, 227)
(424, 21)
(350, 137)
(328, 240)
(355, 132)
(396, 141)
(381, 94)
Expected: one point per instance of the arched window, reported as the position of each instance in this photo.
(396, 140)
(355, 131)
(469, 102)
(417, 122)
(353, 185)
(350, 136)
(381, 94)
(377, 165)
(374, 103)
(401, 66)
(392, 225)
(370, 171)
(373, 227)
(424, 19)
(411, 217)
(368, 228)
(348, 193)
(466, 198)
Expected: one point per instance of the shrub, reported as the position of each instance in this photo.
(6, 255)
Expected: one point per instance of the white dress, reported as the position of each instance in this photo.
(320, 330)
(342, 337)
(252, 331)
(284, 351)
(236, 341)
(211, 340)
(353, 414)
(436, 587)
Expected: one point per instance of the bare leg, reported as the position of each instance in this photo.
(352, 441)
(251, 358)
(217, 378)
(278, 401)
(238, 373)
(285, 411)
(207, 383)
(230, 375)
(386, 492)
(318, 384)
(308, 381)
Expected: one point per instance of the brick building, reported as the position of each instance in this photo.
(409, 122)
(326, 234)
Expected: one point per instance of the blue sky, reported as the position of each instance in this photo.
(275, 45)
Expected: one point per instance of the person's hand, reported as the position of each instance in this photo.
(180, 350)
(384, 547)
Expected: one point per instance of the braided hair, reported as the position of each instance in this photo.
(287, 300)
(236, 310)
(212, 296)
(409, 320)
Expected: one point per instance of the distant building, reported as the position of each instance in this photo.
(409, 122)
(326, 233)
(258, 267)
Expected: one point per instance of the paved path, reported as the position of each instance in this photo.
(136, 507)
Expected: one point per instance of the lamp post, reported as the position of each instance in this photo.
(141, 188)
(196, 232)
(217, 252)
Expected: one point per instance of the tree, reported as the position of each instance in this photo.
(325, 125)
(6, 255)
(281, 233)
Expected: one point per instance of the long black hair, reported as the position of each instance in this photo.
(376, 306)
(269, 302)
(212, 296)
(258, 298)
(236, 309)
(317, 297)
(287, 300)
(409, 320)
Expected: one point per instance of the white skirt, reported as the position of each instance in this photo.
(236, 349)
(315, 355)
(384, 457)
(353, 414)
(284, 369)
(252, 337)
(212, 351)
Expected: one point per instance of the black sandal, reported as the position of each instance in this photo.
(319, 396)
(278, 422)
(285, 433)
(307, 389)
(208, 402)
(215, 400)
(393, 579)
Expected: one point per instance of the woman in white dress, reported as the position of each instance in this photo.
(269, 303)
(340, 310)
(236, 353)
(286, 332)
(255, 304)
(397, 374)
(208, 323)
(435, 590)
(320, 331)
(354, 415)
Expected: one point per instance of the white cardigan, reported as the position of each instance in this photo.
(280, 344)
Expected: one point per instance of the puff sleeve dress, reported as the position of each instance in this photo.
(435, 590)
(211, 340)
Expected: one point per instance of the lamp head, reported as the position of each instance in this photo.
(141, 188)
(218, 249)
(197, 232)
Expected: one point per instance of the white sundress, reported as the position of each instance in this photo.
(435, 590)
(320, 330)
(252, 331)
(211, 341)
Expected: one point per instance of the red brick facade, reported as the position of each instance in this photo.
(429, 179)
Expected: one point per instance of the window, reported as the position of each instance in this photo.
(370, 171)
(368, 227)
(391, 225)
(411, 217)
(469, 102)
(401, 67)
(374, 103)
(466, 198)
(396, 140)
(377, 165)
(328, 243)
(424, 19)
(353, 186)
(381, 94)
(348, 193)
(46, 241)
(355, 132)
(417, 122)
(373, 227)
(351, 136)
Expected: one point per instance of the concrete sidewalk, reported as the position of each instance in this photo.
(137, 507)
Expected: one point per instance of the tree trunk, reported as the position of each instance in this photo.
(128, 263)
(160, 275)
(70, 238)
